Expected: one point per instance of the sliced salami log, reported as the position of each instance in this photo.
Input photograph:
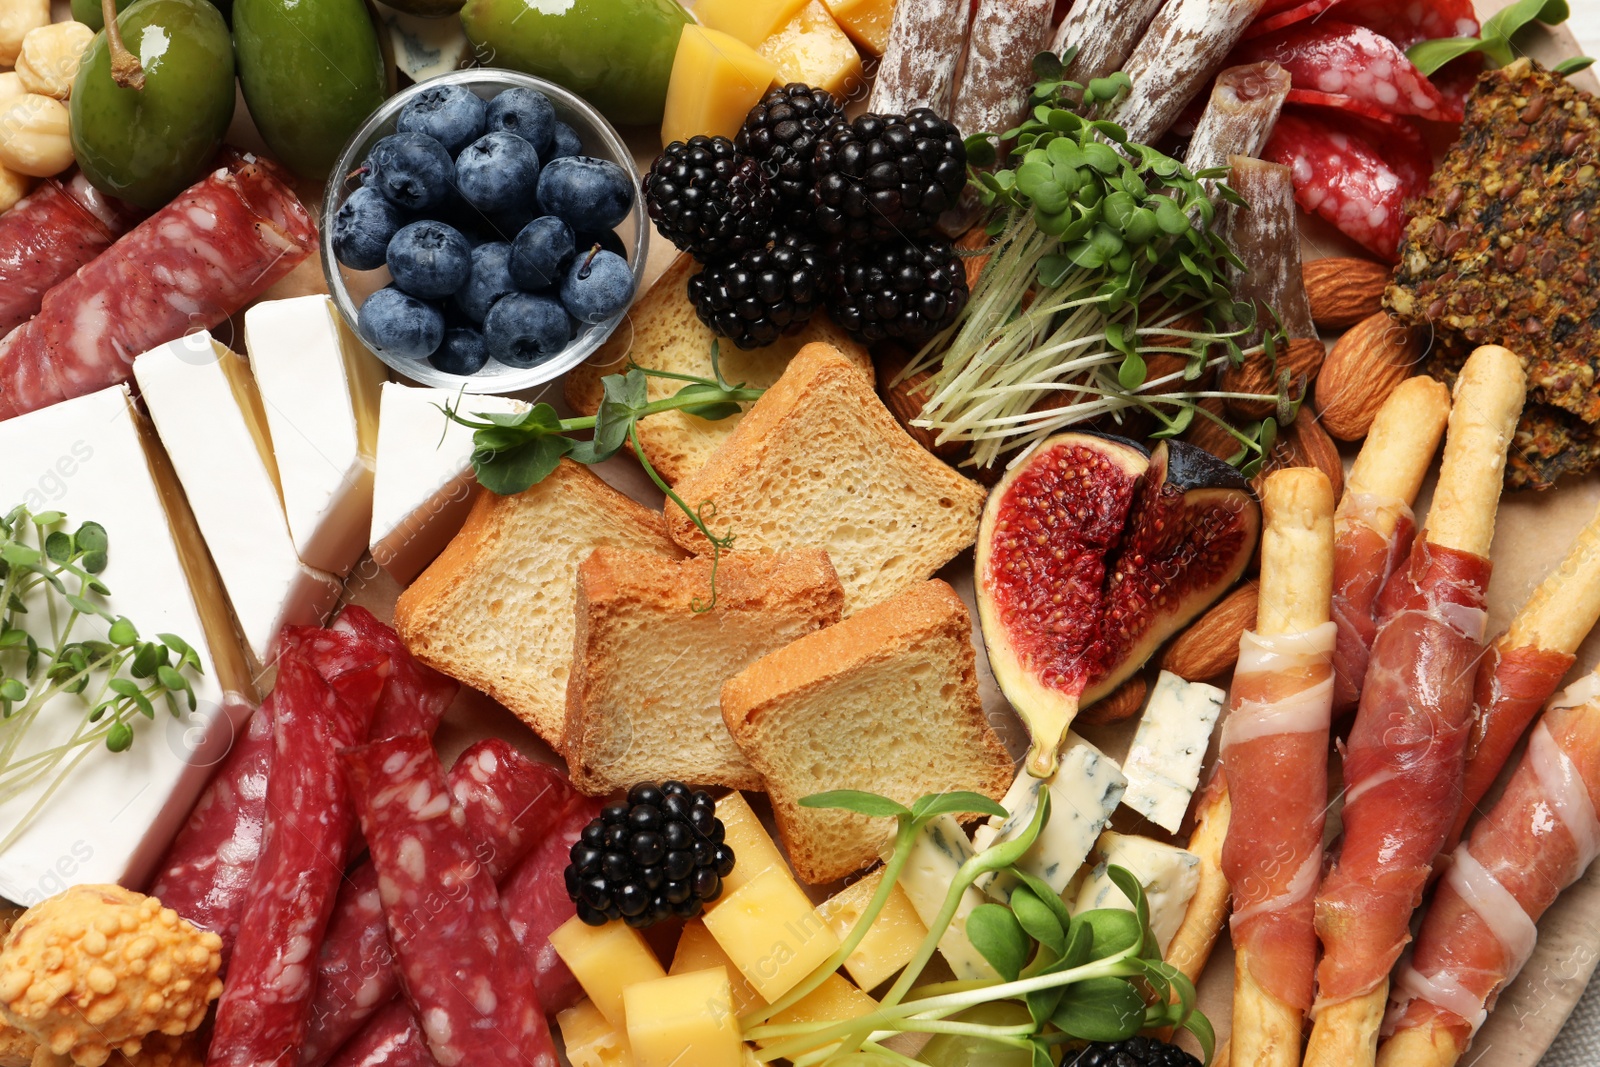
(1244, 105)
(1355, 62)
(219, 245)
(918, 69)
(509, 804)
(416, 696)
(536, 902)
(471, 989)
(261, 1017)
(1186, 45)
(48, 235)
(391, 1039)
(1104, 32)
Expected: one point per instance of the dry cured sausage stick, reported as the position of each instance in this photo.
(261, 1017)
(460, 968)
(1373, 528)
(1244, 104)
(48, 235)
(1266, 236)
(1539, 838)
(1104, 32)
(1527, 663)
(1275, 749)
(1407, 749)
(509, 804)
(918, 69)
(1176, 59)
(220, 244)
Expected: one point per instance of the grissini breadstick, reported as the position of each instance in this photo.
(1275, 751)
(1526, 664)
(1407, 750)
(1196, 936)
(1539, 837)
(1373, 528)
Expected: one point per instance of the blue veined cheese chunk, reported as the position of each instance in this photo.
(426, 47)
(1084, 792)
(940, 850)
(1168, 874)
(1163, 763)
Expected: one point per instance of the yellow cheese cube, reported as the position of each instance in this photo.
(605, 960)
(866, 21)
(751, 21)
(699, 951)
(811, 49)
(771, 932)
(590, 1040)
(890, 942)
(716, 80)
(684, 1019)
(834, 1001)
(753, 848)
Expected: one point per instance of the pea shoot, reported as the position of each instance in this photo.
(50, 590)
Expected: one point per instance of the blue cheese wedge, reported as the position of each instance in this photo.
(1163, 763)
(113, 815)
(1168, 874)
(424, 47)
(938, 854)
(1083, 793)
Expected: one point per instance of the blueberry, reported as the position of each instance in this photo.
(597, 286)
(497, 172)
(606, 239)
(453, 115)
(589, 193)
(564, 142)
(463, 352)
(522, 329)
(490, 280)
(363, 228)
(400, 323)
(429, 259)
(539, 253)
(526, 113)
(412, 170)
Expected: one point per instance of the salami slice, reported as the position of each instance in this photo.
(392, 1039)
(510, 803)
(261, 1017)
(472, 991)
(1353, 62)
(220, 244)
(416, 696)
(1404, 24)
(536, 902)
(50, 233)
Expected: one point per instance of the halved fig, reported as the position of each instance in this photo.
(1090, 555)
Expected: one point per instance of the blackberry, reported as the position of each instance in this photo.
(709, 200)
(755, 297)
(781, 132)
(905, 290)
(659, 855)
(887, 175)
(1134, 1052)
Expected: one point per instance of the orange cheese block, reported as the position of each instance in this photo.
(866, 21)
(813, 50)
(716, 80)
(752, 21)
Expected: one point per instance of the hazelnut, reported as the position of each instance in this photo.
(17, 17)
(13, 187)
(34, 137)
(50, 57)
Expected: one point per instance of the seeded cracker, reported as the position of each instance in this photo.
(1501, 251)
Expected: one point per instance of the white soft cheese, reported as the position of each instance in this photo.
(1163, 763)
(1169, 876)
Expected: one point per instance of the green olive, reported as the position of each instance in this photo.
(146, 145)
(311, 71)
(88, 12)
(428, 9)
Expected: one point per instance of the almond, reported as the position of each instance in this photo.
(1362, 369)
(1205, 433)
(1258, 374)
(1304, 443)
(977, 240)
(1344, 290)
(1121, 703)
(1210, 646)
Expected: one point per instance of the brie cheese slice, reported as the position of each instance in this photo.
(113, 815)
(209, 416)
(319, 387)
(423, 485)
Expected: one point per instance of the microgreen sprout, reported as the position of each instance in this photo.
(1494, 39)
(1094, 976)
(50, 590)
(513, 451)
(1104, 261)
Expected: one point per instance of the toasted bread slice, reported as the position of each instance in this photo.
(644, 702)
(820, 461)
(886, 701)
(664, 333)
(495, 609)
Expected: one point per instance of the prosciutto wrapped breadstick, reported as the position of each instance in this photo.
(1373, 528)
(1275, 749)
(1526, 664)
(1104, 32)
(926, 40)
(1244, 104)
(1176, 59)
(1539, 837)
(1407, 750)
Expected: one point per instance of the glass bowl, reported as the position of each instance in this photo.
(349, 288)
